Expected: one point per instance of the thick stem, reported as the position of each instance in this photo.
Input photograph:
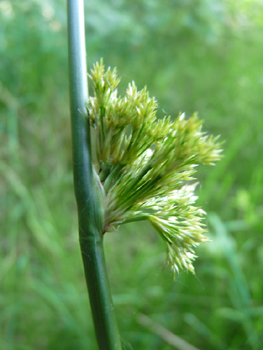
(89, 198)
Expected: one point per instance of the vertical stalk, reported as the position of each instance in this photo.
(88, 197)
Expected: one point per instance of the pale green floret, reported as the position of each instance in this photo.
(145, 165)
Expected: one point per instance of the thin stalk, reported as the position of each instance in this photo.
(142, 217)
(89, 198)
(129, 189)
(114, 175)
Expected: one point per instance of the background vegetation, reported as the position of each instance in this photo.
(194, 55)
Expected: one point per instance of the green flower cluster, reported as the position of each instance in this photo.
(145, 165)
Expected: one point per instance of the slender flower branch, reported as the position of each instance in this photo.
(89, 196)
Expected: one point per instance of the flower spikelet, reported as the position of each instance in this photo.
(145, 165)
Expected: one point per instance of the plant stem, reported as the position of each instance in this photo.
(88, 197)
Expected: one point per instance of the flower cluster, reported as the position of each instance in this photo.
(146, 165)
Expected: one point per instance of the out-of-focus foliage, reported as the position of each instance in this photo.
(194, 55)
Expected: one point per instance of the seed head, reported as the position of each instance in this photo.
(146, 165)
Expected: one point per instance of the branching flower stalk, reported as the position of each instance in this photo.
(143, 170)
(145, 165)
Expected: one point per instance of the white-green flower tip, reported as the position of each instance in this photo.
(146, 165)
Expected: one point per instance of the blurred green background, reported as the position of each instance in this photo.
(194, 55)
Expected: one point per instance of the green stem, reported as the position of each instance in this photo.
(142, 217)
(114, 175)
(134, 183)
(89, 198)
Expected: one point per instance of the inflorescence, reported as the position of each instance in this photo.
(146, 165)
